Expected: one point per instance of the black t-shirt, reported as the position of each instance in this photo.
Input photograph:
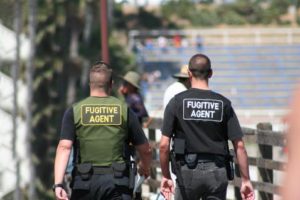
(135, 131)
(205, 119)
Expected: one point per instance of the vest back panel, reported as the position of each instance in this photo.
(101, 130)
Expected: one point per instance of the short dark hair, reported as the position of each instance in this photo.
(100, 75)
(200, 66)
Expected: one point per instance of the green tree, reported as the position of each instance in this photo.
(204, 17)
(180, 8)
(67, 43)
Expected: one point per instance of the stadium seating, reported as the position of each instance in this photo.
(252, 76)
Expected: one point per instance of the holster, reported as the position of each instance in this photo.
(191, 160)
(230, 165)
(132, 174)
(176, 169)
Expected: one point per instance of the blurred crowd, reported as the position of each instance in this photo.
(164, 42)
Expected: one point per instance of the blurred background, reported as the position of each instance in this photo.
(47, 47)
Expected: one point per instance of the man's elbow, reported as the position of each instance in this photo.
(239, 144)
(145, 150)
(163, 148)
(64, 146)
(148, 151)
(164, 144)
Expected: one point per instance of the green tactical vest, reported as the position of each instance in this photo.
(101, 130)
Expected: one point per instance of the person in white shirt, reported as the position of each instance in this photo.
(180, 85)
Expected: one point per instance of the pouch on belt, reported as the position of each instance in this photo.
(120, 177)
(191, 160)
(82, 179)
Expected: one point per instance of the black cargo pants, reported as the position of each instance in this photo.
(101, 187)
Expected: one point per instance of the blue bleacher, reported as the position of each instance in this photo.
(252, 76)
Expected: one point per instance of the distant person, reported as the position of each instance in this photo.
(291, 189)
(201, 122)
(180, 85)
(149, 44)
(144, 84)
(177, 41)
(162, 42)
(130, 90)
(137, 47)
(99, 127)
(184, 43)
(199, 43)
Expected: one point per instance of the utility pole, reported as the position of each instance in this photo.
(15, 75)
(104, 34)
(88, 15)
(29, 80)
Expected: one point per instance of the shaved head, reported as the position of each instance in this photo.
(100, 76)
(200, 66)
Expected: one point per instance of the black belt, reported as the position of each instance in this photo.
(102, 170)
(203, 157)
(99, 170)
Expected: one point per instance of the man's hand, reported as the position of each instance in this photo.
(61, 161)
(61, 194)
(247, 191)
(167, 188)
(145, 153)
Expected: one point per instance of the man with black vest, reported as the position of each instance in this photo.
(201, 122)
(99, 127)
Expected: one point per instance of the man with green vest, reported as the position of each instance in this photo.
(99, 128)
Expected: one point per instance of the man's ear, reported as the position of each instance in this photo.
(111, 83)
(189, 73)
(210, 73)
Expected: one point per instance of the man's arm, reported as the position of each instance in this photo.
(138, 138)
(167, 186)
(145, 153)
(167, 130)
(164, 151)
(291, 189)
(242, 159)
(61, 160)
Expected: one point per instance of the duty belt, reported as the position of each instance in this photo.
(201, 158)
(102, 170)
(98, 170)
(206, 157)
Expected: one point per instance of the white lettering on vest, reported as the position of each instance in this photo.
(203, 109)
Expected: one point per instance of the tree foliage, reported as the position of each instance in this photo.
(182, 8)
(240, 12)
(65, 48)
(6, 13)
(142, 19)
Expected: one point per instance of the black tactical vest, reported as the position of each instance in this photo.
(201, 116)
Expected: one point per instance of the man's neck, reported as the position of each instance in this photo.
(97, 93)
(200, 84)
